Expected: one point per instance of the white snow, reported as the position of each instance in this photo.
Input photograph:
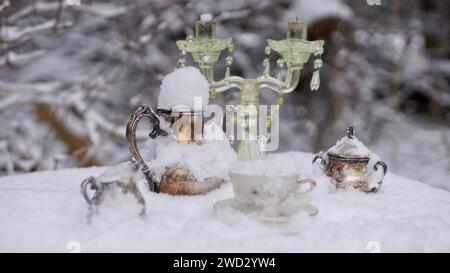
(45, 211)
(206, 160)
(212, 130)
(206, 17)
(350, 147)
(212, 157)
(181, 87)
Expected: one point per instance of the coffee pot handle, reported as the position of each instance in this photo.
(323, 161)
(141, 112)
(384, 166)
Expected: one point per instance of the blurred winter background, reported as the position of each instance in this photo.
(70, 76)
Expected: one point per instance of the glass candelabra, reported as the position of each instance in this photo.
(295, 51)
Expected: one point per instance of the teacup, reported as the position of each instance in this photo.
(264, 191)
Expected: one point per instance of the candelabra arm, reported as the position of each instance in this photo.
(290, 83)
(227, 83)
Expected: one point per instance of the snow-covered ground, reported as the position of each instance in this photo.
(45, 211)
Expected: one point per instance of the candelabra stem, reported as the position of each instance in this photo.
(248, 147)
(208, 72)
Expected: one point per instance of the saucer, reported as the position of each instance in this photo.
(280, 214)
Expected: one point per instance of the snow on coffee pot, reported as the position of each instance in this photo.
(184, 161)
(346, 163)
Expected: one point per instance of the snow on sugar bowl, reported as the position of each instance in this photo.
(347, 162)
(184, 156)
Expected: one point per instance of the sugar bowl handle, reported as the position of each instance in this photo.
(147, 112)
(384, 166)
(323, 161)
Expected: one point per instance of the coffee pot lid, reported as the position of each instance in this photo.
(349, 146)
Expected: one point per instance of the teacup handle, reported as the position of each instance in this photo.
(323, 162)
(309, 181)
(88, 181)
(384, 166)
(147, 112)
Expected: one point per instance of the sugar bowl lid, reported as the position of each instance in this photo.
(349, 147)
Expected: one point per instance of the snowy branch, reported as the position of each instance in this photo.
(243, 13)
(5, 5)
(49, 93)
(15, 34)
(15, 59)
(104, 10)
(36, 7)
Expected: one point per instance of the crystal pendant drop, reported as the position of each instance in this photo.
(229, 60)
(266, 64)
(315, 81)
(227, 72)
